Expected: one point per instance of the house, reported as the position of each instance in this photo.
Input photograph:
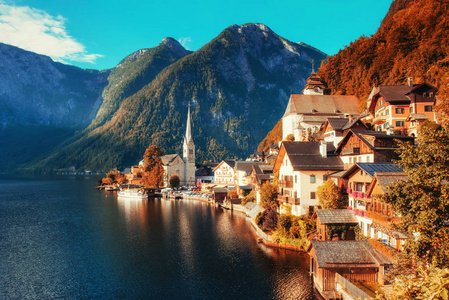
(306, 113)
(334, 128)
(260, 174)
(134, 176)
(204, 174)
(369, 146)
(337, 264)
(242, 175)
(224, 173)
(402, 107)
(302, 167)
(219, 194)
(383, 215)
(360, 177)
(336, 224)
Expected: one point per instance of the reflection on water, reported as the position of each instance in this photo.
(61, 238)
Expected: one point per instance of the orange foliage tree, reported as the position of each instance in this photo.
(153, 175)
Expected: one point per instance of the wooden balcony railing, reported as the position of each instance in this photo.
(285, 183)
(288, 199)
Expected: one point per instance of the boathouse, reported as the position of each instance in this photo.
(334, 264)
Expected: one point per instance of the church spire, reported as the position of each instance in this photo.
(188, 129)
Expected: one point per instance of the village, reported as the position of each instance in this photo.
(320, 189)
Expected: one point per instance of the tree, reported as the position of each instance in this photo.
(330, 196)
(251, 197)
(290, 137)
(268, 195)
(174, 181)
(423, 199)
(154, 171)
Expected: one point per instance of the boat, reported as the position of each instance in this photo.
(132, 194)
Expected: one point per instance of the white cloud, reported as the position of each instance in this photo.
(185, 41)
(35, 30)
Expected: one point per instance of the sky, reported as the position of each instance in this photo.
(98, 34)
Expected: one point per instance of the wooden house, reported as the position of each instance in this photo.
(352, 261)
(336, 224)
(369, 146)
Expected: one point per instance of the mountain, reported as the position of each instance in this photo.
(412, 41)
(238, 86)
(42, 103)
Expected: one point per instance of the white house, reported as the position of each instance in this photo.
(303, 167)
(224, 173)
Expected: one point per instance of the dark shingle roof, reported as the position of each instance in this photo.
(348, 254)
(245, 166)
(306, 156)
(336, 216)
(386, 179)
(395, 93)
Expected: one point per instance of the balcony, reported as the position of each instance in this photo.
(285, 183)
(360, 195)
(288, 200)
(379, 120)
(360, 213)
(351, 151)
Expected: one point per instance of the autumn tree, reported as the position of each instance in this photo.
(290, 137)
(330, 196)
(268, 195)
(423, 199)
(174, 181)
(153, 175)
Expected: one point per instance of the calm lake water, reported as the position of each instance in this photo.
(61, 238)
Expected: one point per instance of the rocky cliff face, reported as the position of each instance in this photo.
(238, 86)
(34, 90)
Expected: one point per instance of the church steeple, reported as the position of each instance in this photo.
(189, 153)
(188, 136)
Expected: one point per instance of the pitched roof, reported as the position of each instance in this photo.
(336, 216)
(364, 136)
(307, 156)
(246, 166)
(322, 104)
(395, 93)
(347, 254)
(386, 179)
(230, 163)
(371, 168)
(263, 171)
(417, 117)
(337, 123)
(169, 158)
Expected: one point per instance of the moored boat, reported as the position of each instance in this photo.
(132, 194)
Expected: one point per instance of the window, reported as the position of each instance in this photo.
(399, 110)
(358, 186)
(312, 195)
(312, 179)
(424, 94)
(296, 178)
(324, 178)
(428, 108)
(412, 109)
(399, 123)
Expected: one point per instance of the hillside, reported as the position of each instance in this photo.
(42, 103)
(238, 86)
(412, 41)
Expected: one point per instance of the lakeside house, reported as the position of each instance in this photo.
(224, 173)
(302, 168)
(337, 265)
(335, 224)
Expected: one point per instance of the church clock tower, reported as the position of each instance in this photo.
(189, 154)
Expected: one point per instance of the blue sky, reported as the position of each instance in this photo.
(97, 34)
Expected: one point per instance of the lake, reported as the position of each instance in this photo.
(61, 238)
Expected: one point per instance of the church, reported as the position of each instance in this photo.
(183, 166)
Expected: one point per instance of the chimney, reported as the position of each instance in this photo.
(410, 81)
(323, 149)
